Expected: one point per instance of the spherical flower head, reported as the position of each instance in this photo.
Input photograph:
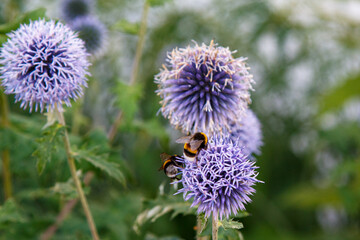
(221, 179)
(203, 88)
(92, 31)
(44, 65)
(247, 133)
(71, 9)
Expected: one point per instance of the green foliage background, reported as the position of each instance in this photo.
(304, 56)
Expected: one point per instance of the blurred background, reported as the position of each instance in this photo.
(305, 58)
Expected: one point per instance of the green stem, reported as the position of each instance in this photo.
(4, 110)
(65, 211)
(76, 179)
(135, 68)
(215, 227)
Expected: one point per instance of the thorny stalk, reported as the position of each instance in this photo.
(77, 182)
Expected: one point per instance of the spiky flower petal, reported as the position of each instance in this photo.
(71, 9)
(247, 133)
(203, 88)
(221, 179)
(44, 64)
(92, 31)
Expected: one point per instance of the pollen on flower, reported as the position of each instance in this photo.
(44, 65)
(203, 88)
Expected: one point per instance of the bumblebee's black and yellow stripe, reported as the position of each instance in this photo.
(193, 144)
(170, 165)
(188, 152)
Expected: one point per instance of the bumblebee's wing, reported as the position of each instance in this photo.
(195, 144)
(164, 156)
(185, 139)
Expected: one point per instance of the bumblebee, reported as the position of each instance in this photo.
(193, 144)
(170, 165)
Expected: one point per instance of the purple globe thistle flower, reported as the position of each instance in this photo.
(247, 133)
(92, 31)
(203, 88)
(44, 64)
(71, 9)
(221, 179)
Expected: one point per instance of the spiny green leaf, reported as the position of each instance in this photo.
(154, 3)
(203, 222)
(67, 189)
(126, 27)
(23, 19)
(230, 234)
(228, 228)
(336, 97)
(101, 162)
(47, 145)
(230, 224)
(160, 206)
(10, 213)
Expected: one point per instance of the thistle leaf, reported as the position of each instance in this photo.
(160, 206)
(47, 145)
(10, 213)
(67, 189)
(101, 162)
(230, 224)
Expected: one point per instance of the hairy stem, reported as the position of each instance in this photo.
(5, 154)
(215, 227)
(135, 68)
(77, 182)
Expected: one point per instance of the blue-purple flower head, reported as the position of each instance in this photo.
(221, 179)
(203, 88)
(92, 31)
(71, 9)
(44, 65)
(247, 133)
